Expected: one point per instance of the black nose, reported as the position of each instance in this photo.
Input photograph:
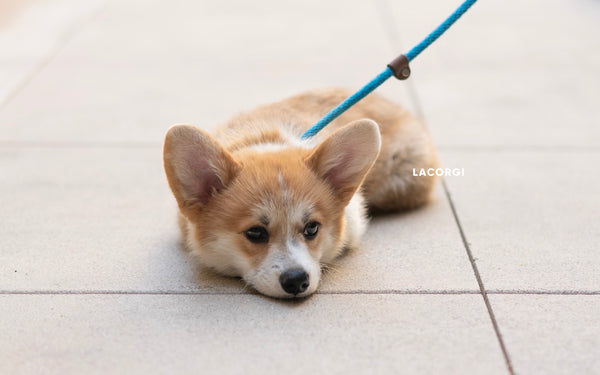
(294, 281)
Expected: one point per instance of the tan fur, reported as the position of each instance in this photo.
(254, 170)
(406, 143)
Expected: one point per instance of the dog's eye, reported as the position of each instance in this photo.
(311, 229)
(257, 234)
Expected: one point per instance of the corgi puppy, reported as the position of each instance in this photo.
(259, 203)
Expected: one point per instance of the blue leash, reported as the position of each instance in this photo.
(398, 68)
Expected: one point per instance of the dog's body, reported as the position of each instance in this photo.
(257, 202)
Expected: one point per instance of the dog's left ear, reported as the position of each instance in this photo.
(344, 158)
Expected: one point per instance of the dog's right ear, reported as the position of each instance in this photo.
(197, 166)
(345, 157)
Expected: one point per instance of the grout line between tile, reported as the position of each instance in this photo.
(387, 19)
(61, 42)
(10, 144)
(332, 292)
(389, 23)
(78, 144)
(519, 148)
(199, 292)
(479, 280)
(118, 292)
(546, 292)
(402, 292)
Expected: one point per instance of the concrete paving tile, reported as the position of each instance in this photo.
(30, 31)
(103, 219)
(333, 334)
(501, 75)
(530, 217)
(550, 334)
(129, 75)
(92, 219)
(419, 250)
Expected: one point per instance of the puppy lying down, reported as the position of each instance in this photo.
(258, 202)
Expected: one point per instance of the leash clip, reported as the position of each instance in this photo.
(400, 68)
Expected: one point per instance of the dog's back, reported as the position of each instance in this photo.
(405, 142)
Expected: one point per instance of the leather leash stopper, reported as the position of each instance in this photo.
(400, 68)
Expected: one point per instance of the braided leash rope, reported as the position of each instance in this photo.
(398, 68)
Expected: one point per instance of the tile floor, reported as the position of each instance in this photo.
(500, 275)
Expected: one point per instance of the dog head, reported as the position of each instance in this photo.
(270, 216)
